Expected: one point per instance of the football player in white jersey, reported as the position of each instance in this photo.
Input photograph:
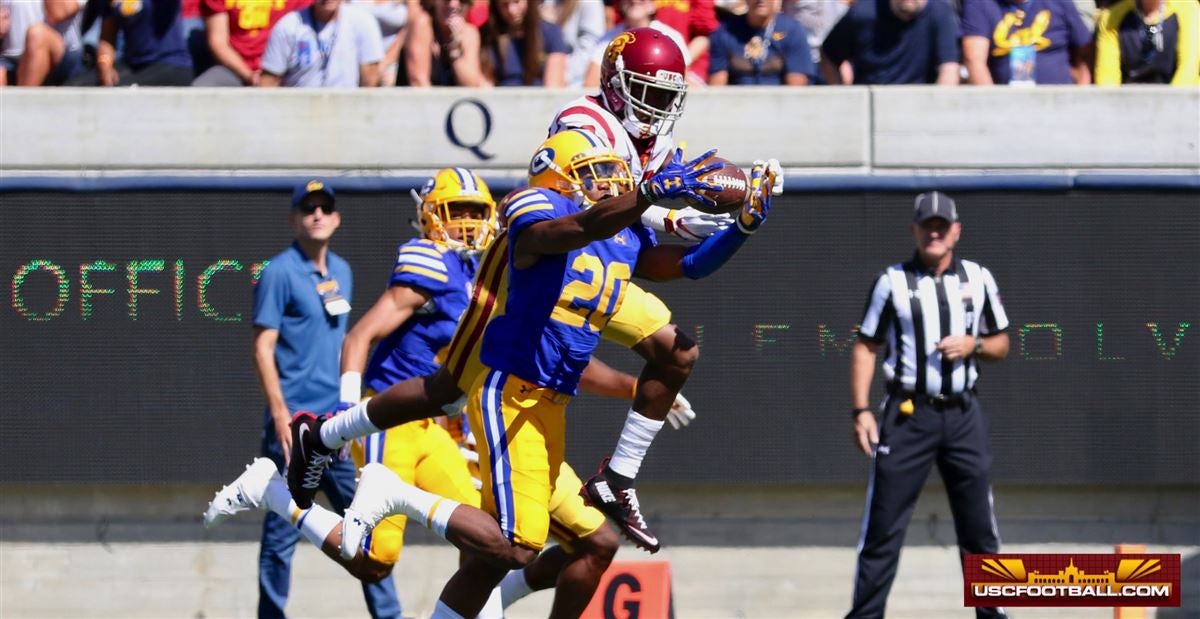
(642, 92)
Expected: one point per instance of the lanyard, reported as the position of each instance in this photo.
(768, 35)
(326, 52)
(1155, 31)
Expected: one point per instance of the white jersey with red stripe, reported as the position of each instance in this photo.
(588, 113)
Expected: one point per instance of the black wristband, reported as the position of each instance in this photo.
(862, 409)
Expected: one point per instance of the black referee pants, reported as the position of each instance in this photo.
(955, 436)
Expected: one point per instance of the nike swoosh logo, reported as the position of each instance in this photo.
(300, 439)
(646, 538)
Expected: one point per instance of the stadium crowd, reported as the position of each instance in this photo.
(558, 43)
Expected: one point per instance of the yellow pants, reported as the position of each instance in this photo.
(422, 454)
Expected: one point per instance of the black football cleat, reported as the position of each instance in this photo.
(621, 505)
(310, 457)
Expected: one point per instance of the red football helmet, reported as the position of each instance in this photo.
(642, 81)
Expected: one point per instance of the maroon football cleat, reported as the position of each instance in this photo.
(309, 458)
(621, 505)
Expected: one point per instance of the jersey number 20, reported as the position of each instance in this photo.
(594, 299)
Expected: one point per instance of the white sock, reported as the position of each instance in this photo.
(636, 436)
(441, 611)
(278, 500)
(425, 508)
(514, 587)
(316, 523)
(492, 609)
(347, 425)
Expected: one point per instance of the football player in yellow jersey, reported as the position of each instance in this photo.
(517, 402)
(415, 316)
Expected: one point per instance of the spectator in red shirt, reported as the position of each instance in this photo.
(237, 35)
(695, 20)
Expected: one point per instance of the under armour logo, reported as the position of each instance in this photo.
(884, 450)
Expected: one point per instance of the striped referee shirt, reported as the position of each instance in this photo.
(912, 310)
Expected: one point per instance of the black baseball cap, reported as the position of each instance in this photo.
(934, 204)
(315, 185)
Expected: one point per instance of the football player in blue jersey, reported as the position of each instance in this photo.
(414, 319)
(574, 242)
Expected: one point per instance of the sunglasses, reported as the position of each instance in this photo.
(309, 209)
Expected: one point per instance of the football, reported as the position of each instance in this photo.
(735, 189)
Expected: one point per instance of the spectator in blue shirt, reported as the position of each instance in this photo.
(519, 48)
(154, 51)
(1025, 42)
(760, 48)
(893, 42)
(301, 306)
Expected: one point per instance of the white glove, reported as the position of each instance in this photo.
(681, 413)
(774, 169)
(686, 223)
(351, 387)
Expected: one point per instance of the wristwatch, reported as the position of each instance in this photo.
(862, 409)
(978, 345)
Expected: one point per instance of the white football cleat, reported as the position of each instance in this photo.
(379, 495)
(246, 492)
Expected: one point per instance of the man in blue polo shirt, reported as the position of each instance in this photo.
(894, 42)
(301, 307)
(760, 48)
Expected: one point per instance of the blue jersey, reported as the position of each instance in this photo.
(444, 274)
(556, 308)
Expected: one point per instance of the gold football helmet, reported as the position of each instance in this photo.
(455, 207)
(574, 162)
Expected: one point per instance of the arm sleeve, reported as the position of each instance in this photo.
(798, 57)
(718, 51)
(420, 265)
(370, 40)
(706, 257)
(975, 21)
(525, 209)
(270, 297)
(1108, 51)
(839, 43)
(879, 310)
(995, 320)
(946, 47)
(279, 49)
(1187, 71)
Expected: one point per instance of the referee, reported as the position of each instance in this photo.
(936, 317)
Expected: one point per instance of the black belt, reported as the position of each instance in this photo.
(940, 400)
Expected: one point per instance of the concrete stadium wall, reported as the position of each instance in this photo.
(769, 551)
(851, 129)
